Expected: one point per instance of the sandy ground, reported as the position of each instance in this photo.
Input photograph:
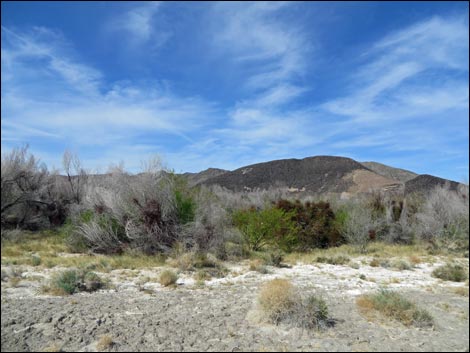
(138, 314)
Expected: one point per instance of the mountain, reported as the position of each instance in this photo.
(398, 174)
(319, 175)
(197, 178)
(313, 175)
(424, 183)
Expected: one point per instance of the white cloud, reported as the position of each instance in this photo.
(140, 26)
(397, 82)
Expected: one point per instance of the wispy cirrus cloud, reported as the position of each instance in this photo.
(139, 25)
(398, 78)
(270, 54)
(51, 49)
(49, 94)
(409, 95)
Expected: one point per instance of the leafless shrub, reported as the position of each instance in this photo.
(22, 189)
(142, 206)
(358, 224)
(77, 177)
(100, 237)
(443, 218)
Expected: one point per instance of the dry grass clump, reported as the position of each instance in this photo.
(333, 260)
(202, 275)
(167, 278)
(281, 302)
(258, 266)
(395, 306)
(277, 299)
(376, 262)
(53, 348)
(105, 342)
(193, 261)
(451, 272)
(415, 260)
(462, 291)
(401, 265)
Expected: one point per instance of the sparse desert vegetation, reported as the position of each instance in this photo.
(299, 263)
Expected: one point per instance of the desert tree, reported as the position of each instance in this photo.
(23, 180)
(77, 177)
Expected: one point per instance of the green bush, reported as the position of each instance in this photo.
(73, 281)
(271, 226)
(185, 206)
(35, 260)
(67, 281)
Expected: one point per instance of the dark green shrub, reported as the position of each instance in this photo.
(73, 281)
(185, 206)
(317, 224)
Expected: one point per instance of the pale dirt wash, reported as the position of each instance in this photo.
(221, 315)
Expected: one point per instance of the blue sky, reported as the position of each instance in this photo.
(229, 84)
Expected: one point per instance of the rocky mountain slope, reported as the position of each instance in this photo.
(398, 174)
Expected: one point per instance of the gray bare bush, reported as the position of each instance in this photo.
(141, 206)
(358, 224)
(23, 192)
(76, 175)
(211, 227)
(444, 217)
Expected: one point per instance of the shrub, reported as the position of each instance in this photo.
(450, 272)
(35, 260)
(313, 314)
(167, 278)
(358, 225)
(185, 207)
(443, 218)
(66, 282)
(273, 258)
(73, 281)
(401, 265)
(395, 306)
(271, 226)
(92, 282)
(317, 224)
